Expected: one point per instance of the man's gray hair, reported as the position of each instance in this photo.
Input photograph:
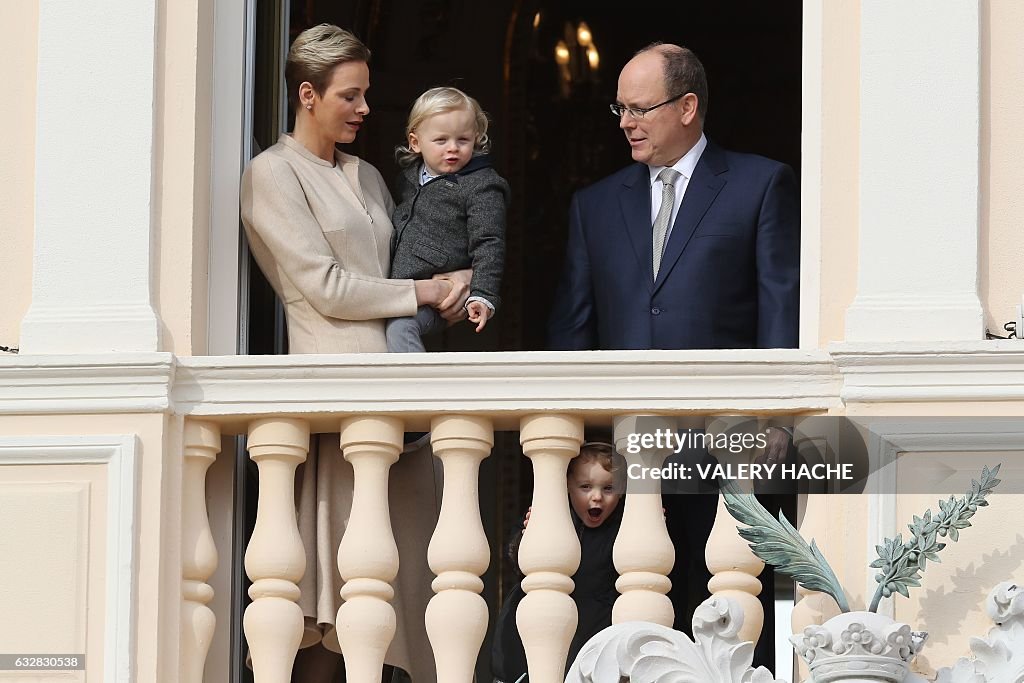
(683, 73)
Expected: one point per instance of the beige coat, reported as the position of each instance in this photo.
(321, 233)
(310, 230)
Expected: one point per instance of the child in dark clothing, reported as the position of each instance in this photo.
(594, 495)
(451, 211)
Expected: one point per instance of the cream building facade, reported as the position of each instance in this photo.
(120, 239)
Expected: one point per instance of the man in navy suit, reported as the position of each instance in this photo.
(719, 268)
(728, 275)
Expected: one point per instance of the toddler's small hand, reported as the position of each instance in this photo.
(526, 519)
(478, 313)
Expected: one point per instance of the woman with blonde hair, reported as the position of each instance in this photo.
(319, 226)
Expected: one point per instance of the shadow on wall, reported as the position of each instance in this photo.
(944, 609)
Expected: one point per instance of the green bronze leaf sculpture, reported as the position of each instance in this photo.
(899, 562)
(780, 545)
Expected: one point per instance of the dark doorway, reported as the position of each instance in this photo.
(551, 137)
(552, 133)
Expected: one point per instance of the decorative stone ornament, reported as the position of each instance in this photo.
(642, 652)
(858, 647)
(999, 658)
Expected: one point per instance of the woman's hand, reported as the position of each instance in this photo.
(453, 307)
(432, 292)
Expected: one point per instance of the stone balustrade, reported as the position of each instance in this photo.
(459, 554)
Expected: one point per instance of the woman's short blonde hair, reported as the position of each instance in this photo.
(315, 53)
(441, 101)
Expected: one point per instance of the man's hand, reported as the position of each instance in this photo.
(453, 308)
(778, 444)
(478, 313)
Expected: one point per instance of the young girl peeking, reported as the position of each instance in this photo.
(451, 213)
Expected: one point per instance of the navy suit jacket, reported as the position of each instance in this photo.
(729, 277)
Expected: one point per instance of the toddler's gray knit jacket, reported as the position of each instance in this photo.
(453, 221)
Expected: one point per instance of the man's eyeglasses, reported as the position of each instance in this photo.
(639, 112)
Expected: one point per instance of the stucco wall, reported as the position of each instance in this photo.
(181, 157)
(1002, 145)
(26, 592)
(1001, 249)
(183, 121)
(949, 602)
(18, 29)
(52, 587)
(840, 139)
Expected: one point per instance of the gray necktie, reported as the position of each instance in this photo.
(668, 199)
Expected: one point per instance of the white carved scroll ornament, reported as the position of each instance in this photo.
(999, 658)
(642, 652)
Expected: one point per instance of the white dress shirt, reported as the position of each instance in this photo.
(685, 167)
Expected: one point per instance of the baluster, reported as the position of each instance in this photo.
(458, 553)
(643, 552)
(198, 552)
(734, 566)
(368, 555)
(550, 551)
(275, 560)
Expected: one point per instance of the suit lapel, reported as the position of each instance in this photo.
(635, 201)
(701, 191)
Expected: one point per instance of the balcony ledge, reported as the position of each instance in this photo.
(508, 385)
(927, 372)
(94, 383)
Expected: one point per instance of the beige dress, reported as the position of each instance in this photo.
(321, 233)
